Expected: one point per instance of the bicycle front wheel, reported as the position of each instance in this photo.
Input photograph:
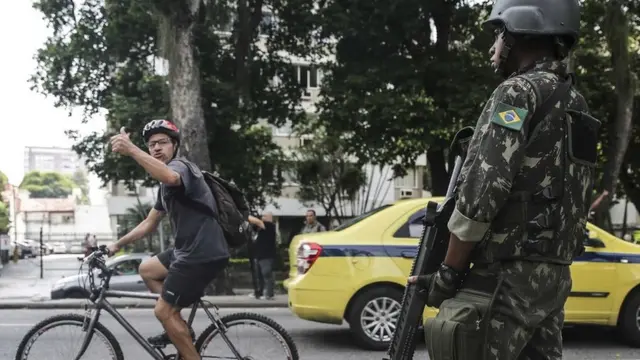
(60, 338)
(252, 336)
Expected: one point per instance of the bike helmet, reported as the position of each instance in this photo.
(161, 127)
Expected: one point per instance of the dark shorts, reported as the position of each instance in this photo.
(185, 283)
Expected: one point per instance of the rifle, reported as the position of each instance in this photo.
(431, 252)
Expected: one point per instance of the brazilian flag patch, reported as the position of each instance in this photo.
(509, 116)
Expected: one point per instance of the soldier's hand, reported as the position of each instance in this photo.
(439, 286)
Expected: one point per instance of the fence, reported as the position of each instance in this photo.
(72, 242)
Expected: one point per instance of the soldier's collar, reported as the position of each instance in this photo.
(544, 64)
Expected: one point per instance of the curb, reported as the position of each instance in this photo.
(4, 305)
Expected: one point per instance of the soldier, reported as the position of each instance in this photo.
(521, 200)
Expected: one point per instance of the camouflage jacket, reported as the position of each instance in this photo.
(522, 194)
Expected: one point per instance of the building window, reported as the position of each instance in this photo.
(307, 76)
(267, 22)
(284, 130)
(289, 178)
(409, 181)
(269, 173)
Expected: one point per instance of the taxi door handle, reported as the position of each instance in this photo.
(409, 254)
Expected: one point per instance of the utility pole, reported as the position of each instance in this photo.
(41, 262)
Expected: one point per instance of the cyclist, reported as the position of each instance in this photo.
(179, 274)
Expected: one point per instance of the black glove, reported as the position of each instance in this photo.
(440, 285)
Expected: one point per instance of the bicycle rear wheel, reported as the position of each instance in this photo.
(245, 331)
(41, 342)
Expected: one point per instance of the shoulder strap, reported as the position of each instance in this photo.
(183, 198)
(558, 94)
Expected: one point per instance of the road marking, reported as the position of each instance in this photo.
(15, 325)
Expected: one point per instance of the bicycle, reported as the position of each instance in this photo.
(98, 296)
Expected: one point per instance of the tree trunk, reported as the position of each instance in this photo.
(617, 30)
(186, 101)
(185, 94)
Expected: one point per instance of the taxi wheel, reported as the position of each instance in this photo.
(373, 316)
(629, 324)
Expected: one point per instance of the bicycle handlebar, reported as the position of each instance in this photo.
(96, 260)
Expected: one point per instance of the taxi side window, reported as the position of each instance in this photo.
(412, 228)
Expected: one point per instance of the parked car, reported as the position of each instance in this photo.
(59, 247)
(76, 248)
(360, 269)
(125, 278)
(34, 245)
(26, 250)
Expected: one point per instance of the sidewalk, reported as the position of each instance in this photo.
(237, 301)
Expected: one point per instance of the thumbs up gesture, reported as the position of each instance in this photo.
(121, 143)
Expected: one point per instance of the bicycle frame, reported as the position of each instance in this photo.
(99, 298)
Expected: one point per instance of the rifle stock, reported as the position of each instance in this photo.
(431, 252)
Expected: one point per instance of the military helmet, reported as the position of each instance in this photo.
(538, 17)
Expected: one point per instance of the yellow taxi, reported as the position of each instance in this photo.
(357, 272)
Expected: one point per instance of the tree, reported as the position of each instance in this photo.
(47, 184)
(4, 218)
(4, 210)
(607, 63)
(104, 56)
(134, 216)
(79, 178)
(327, 175)
(4, 180)
(404, 83)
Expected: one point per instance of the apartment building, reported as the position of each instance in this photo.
(62, 160)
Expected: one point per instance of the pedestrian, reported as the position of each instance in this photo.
(253, 263)
(522, 198)
(312, 224)
(264, 252)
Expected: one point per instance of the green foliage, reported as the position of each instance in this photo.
(406, 76)
(4, 180)
(595, 73)
(394, 90)
(4, 218)
(104, 56)
(4, 209)
(48, 184)
(81, 181)
(326, 174)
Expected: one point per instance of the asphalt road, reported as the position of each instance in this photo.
(314, 341)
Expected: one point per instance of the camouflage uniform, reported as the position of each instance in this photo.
(523, 197)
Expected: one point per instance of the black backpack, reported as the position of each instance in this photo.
(233, 210)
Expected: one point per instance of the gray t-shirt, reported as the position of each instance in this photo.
(198, 236)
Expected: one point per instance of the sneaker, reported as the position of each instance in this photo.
(163, 339)
(253, 296)
(270, 298)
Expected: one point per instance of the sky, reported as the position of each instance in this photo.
(27, 117)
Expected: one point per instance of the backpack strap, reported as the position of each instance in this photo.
(543, 110)
(187, 201)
